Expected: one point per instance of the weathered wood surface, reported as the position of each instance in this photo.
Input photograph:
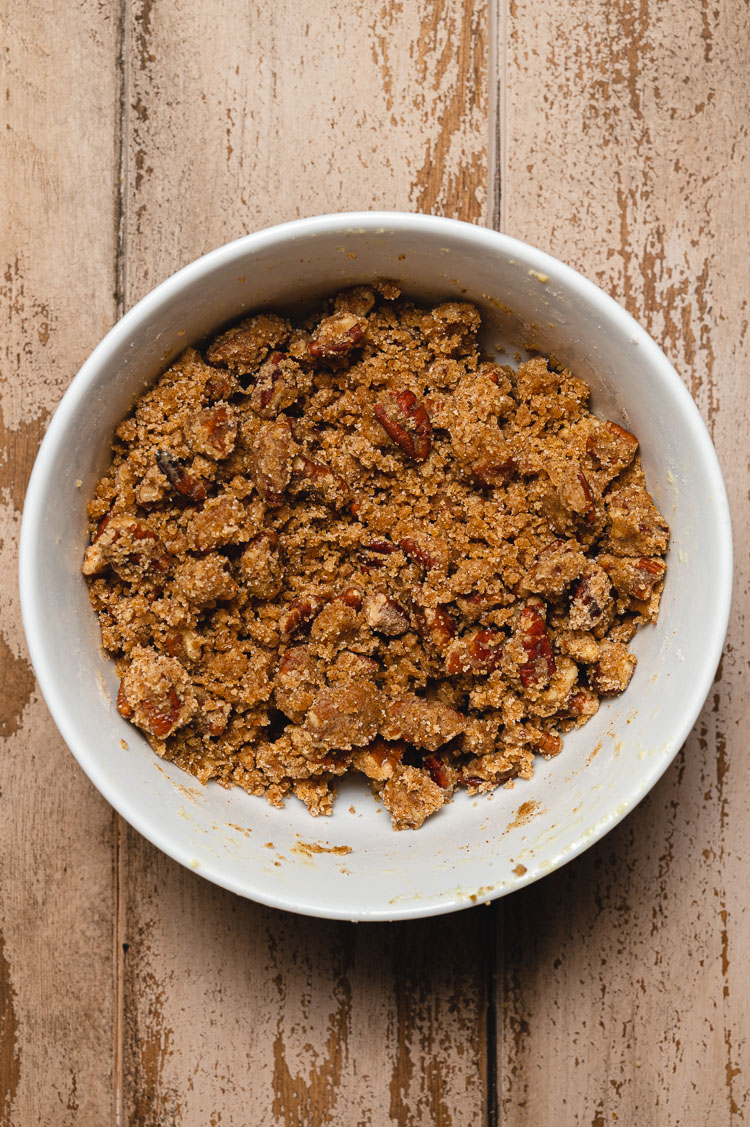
(134, 139)
(625, 141)
(231, 124)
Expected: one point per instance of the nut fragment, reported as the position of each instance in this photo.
(612, 673)
(319, 480)
(404, 419)
(271, 464)
(436, 627)
(156, 693)
(540, 661)
(337, 335)
(299, 612)
(478, 652)
(181, 481)
(385, 615)
(214, 431)
(260, 566)
(129, 546)
(275, 387)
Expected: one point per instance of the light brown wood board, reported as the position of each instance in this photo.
(137, 137)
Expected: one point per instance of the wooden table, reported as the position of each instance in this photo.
(136, 137)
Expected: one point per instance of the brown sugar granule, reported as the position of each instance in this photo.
(356, 543)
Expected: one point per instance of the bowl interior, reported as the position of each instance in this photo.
(353, 865)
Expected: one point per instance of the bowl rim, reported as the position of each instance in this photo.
(364, 221)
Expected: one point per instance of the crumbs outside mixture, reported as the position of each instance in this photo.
(360, 545)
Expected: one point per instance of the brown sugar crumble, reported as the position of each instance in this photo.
(356, 543)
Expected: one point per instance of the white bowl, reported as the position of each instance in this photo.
(474, 849)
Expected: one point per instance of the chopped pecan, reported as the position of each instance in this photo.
(184, 644)
(611, 448)
(557, 566)
(181, 481)
(540, 663)
(243, 347)
(636, 527)
(612, 673)
(549, 744)
(435, 626)
(479, 652)
(380, 758)
(319, 480)
(351, 597)
(492, 472)
(633, 576)
(156, 693)
(385, 615)
(205, 580)
(359, 300)
(345, 716)
(337, 335)
(261, 568)
(404, 419)
(128, 545)
(591, 602)
(213, 431)
(271, 463)
(438, 770)
(298, 679)
(427, 724)
(275, 387)
(298, 613)
(351, 666)
(411, 548)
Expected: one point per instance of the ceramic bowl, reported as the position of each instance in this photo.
(353, 865)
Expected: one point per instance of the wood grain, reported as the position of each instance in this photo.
(625, 152)
(237, 117)
(58, 186)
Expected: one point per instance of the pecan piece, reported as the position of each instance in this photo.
(156, 693)
(591, 602)
(427, 724)
(319, 480)
(491, 472)
(181, 481)
(243, 347)
(338, 335)
(129, 546)
(540, 663)
(345, 716)
(435, 626)
(479, 652)
(260, 566)
(214, 431)
(275, 387)
(549, 744)
(298, 679)
(437, 770)
(612, 673)
(404, 419)
(385, 615)
(636, 577)
(380, 758)
(271, 463)
(411, 548)
(611, 448)
(298, 613)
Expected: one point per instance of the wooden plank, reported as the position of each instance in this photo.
(238, 117)
(58, 185)
(625, 153)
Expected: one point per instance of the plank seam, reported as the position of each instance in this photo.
(119, 296)
(495, 71)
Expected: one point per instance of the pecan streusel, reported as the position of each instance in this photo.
(359, 544)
